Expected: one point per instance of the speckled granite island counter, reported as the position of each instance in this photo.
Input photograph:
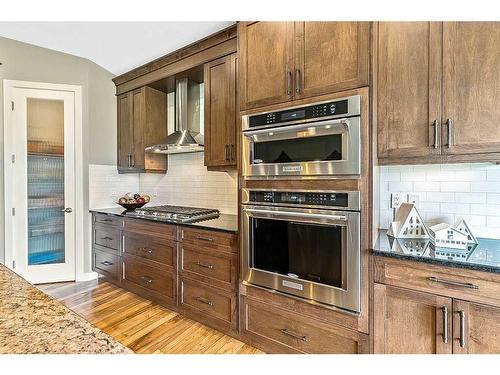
(32, 322)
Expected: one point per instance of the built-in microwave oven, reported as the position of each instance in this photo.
(321, 139)
(303, 243)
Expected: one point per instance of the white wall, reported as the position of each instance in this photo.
(447, 192)
(25, 62)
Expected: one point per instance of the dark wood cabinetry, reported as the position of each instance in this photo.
(435, 88)
(142, 121)
(283, 61)
(421, 308)
(220, 112)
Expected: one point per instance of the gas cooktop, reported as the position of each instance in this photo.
(177, 214)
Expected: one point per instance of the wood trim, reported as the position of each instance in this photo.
(191, 49)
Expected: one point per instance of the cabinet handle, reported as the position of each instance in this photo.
(107, 238)
(289, 83)
(454, 283)
(294, 335)
(461, 313)
(107, 220)
(205, 301)
(146, 250)
(106, 263)
(129, 160)
(232, 153)
(297, 81)
(449, 123)
(132, 157)
(205, 265)
(435, 125)
(226, 152)
(206, 239)
(147, 280)
(445, 324)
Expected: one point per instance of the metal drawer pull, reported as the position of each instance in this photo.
(454, 283)
(147, 279)
(289, 83)
(208, 239)
(435, 125)
(205, 265)
(294, 335)
(107, 220)
(146, 250)
(445, 324)
(106, 263)
(297, 81)
(205, 301)
(462, 328)
(107, 238)
(449, 122)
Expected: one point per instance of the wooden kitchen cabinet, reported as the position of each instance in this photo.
(220, 112)
(410, 322)
(283, 61)
(142, 122)
(436, 89)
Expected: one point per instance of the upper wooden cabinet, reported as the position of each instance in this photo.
(220, 112)
(283, 61)
(142, 116)
(436, 86)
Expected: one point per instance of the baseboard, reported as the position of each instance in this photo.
(87, 276)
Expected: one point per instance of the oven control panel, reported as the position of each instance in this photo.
(305, 198)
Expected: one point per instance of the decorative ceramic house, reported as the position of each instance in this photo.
(463, 227)
(447, 236)
(408, 223)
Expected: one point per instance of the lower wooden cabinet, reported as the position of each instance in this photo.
(106, 264)
(278, 331)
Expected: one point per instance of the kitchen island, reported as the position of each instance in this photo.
(32, 322)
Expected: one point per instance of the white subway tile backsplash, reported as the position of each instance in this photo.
(447, 193)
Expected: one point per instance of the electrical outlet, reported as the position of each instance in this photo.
(414, 198)
(397, 199)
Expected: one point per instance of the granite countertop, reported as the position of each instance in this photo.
(485, 256)
(32, 322)
(225, 222)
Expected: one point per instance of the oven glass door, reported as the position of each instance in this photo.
(307, 251)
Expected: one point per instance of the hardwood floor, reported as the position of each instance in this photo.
(141, 325)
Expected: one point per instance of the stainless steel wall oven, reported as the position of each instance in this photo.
(321, 139)
(304, 243)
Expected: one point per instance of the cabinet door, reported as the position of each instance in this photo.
(220, 112)
(408, 322)
(138, 127)
(266, 63)
(471, 87)
(476, 328)
(408, 88)
(330, 57)
(125, 136)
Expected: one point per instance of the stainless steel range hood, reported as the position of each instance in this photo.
(182, 140)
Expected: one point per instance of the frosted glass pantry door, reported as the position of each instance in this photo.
(44, 238)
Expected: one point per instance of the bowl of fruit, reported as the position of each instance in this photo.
(132, 201)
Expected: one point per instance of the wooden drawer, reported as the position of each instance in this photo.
(150, 248)
(277, 331)
(208, 305)
(116, 221)
(146, 278)
(452, 282)
(106, 238)
(160, 230)
(208, 239)
(106, 264)
(215, 268)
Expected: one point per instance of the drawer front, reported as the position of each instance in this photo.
(207, 239)
(106, 264)
(447, 281)
(160, 230)
(106, 237)
(209, 301)
(292, 333)
(150, 248)
(214, 268)
(149, 277)
(108, 219)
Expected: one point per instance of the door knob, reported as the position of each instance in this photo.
(67, 210)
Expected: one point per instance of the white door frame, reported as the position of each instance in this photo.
(8, 87)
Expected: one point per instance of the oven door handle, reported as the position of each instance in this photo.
(296, 214)
(291, 128)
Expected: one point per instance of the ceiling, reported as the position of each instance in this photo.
(116, 46)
